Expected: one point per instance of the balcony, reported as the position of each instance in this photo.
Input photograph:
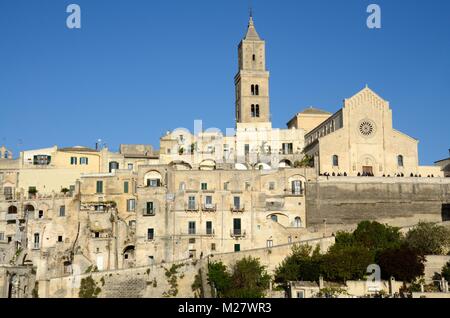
(209, 207)
(191, 208)
(148, 212)
(294, 192)
(237, 233)
(237, 209)
(11, 216)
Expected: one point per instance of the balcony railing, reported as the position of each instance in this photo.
(191, 208)
(148, 212)
(11, 216)
(240, 208)
(209, 207)
(237, 233)
(294, 192)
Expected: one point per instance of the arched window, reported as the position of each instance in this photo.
(298, 222)
(254, 57)
(113, 165)
(257, 110)
(256, 90)
(12, 209)
(253, 90)
(253, 110)
(400, 160)
(335, 161)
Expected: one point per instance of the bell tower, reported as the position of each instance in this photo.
(252, 82)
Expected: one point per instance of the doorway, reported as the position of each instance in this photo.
(367, 170)
(445, 212)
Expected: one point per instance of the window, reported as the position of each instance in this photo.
(42, 160)
(256, 90)
(113, 165)
(225, 186)
(271, 186)
(84, 161)
(296, 187)
(151, 260)
(40, 214)
(126, 186)
(300, 294)
(73, 160)
(99, 186)
(287, 149)
(400, 160)
(182, 186)
(8, 192)
(237, 247)
(131, 205)
(130, 166)
(97, 234)
(191, 227)
(252, 90)
(274, 218)
(297, 222)
(237, 226)
(237, 202)
(208, 200)
(257, 110)
(252, 110)
(269, 243)
(192, 241)
(62, 210)
(60, 238)
(204, 186)
(191, 203)
(153, 183)
(254, 57)
(335, 161)
(213, 246)
(36, 240)
(150, 234)
(149, 208)
(209, 229)
(2, 236)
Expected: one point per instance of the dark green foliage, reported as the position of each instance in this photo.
(403, 263)
(376, 236)
(302, 264)
(343, 263)
(446, 272)
(247, 280)
(429, 239)
(88, 288)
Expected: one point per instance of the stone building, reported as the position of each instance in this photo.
(67, 211)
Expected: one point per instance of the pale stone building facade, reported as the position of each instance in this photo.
(66, 210)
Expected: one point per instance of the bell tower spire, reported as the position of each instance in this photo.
(252, 81)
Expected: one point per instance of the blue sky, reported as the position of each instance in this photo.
(138, 68)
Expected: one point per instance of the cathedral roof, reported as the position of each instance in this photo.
(252, 35)
(314, 111)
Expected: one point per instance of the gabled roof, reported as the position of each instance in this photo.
(252, 35)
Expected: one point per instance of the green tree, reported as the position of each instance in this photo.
(88, 288)
(403, 263)
(376, 236)
(219, 278)
(343, 263)
(446, 272)
(429, 239)
(249, 279)
(302, 264)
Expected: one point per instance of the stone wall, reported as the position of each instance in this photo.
(349, 200)
(143, 282)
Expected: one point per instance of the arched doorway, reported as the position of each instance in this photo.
(129, 257)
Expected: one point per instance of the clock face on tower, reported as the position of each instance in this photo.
(367, 128)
